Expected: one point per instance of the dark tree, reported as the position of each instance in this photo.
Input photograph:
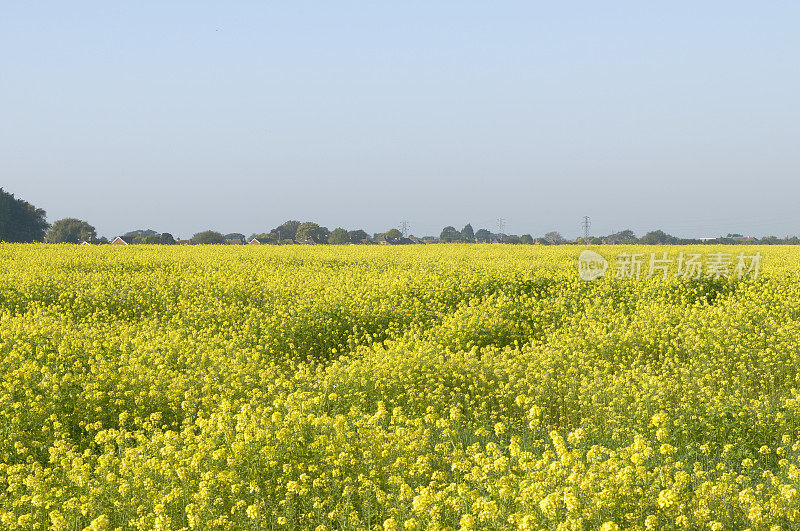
(338, 237)
(142, 233)
(467, 234)
(483, 236)
(71, 230)
(526, 239)
(357, 236)
(20, 221)
(393, 235)
(208, 237)
(658, 237)
(626, 236)
(167, 239)
(554, 237)
(311, 232)
(287, 230)
(450, 234)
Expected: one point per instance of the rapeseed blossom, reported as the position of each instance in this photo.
(424, 387)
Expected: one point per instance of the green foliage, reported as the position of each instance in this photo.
(483, 236)
(20, 221)
(139, 233)
(311, 232)
(148, 237)
(357, 236)
(467, 234)
(657, 237)
(450, 234)
(338, 237)
(626, 236)
(71, 230)
(286, 230)
(208, 237)
(392, 235)
(266, 238)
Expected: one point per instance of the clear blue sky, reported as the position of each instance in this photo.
(235, 116)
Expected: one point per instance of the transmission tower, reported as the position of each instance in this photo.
(586, 223)
(500, 223)
(404, 228)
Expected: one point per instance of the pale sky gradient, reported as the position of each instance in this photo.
(235, 116)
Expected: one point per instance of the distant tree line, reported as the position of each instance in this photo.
(659, 237)
(22, 222)
(294, 232)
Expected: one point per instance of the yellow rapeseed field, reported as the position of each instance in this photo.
(397, 388)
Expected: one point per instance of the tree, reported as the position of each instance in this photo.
(624, 236)
(208, 237)
(287, 230)
(658, 237)
(393, 235)
(466, 233)
(526, 239)
(150, 239)
(20, 221)
(311, 232)
(357, 236)
(450, 234)
(554, 237)
(338, 237)
(483, 236)
(142, 233)
(71, 230)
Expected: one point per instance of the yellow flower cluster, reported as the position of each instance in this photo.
(423, 387)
